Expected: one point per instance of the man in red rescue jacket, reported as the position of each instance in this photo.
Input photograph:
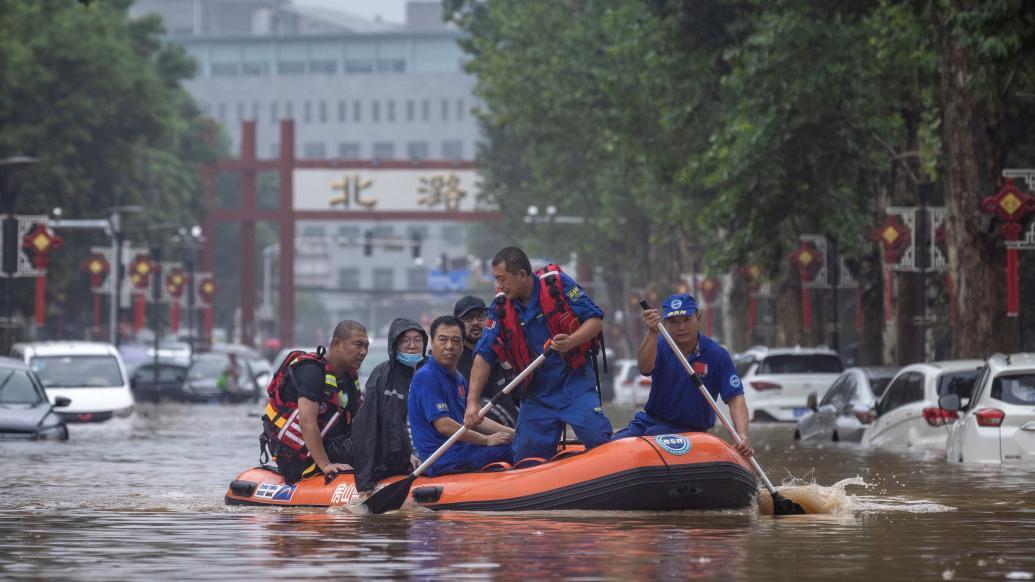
(313, 399)
(533, 308)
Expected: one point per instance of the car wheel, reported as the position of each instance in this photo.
(797, 435)
(836, 439)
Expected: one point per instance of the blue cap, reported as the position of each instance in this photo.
(678, 304)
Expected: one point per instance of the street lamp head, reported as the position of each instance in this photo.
(533, 210)
(57, 212)
(551, 210)
(195, 231)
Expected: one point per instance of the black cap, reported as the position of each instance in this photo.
(467, 304)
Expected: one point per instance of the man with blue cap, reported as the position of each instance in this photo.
(675, 405)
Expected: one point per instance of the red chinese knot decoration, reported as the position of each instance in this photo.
(1011, 206)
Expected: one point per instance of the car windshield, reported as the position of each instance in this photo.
(879, 385)
(1015, 389)
(958, 383)
(16, 387)
(208, 368)
(78, 371)
(801, 364)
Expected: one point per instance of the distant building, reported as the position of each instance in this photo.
(357, 89)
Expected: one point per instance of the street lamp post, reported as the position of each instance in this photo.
(115, 220)
(11, 245)
(189, 241)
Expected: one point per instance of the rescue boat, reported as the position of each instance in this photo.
(663, 472)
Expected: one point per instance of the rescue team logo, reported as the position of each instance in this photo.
(343, 494)
(734, 381)
(490, 324)
(275, 492)
(701, 369)
(677, 303)
(673, 444)
(442, 407)
(574, 294)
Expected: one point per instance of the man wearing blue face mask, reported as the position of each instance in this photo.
(382, 443)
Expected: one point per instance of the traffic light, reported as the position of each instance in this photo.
(11, 245)
(368, 243)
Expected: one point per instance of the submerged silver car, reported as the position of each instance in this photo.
(847, 407)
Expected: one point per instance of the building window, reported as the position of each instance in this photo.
(384, 150)
(417, 279)
(256, 68)
(343, 111)
(349, 232)
(348, 151)
(291, 68)
(323, 112)
(384, 279)
(314, 231)
(348, 278)
(453, 150)
(453, 234)
(417, 150)
(375, 111)
(240, 110)
(425, 110)
(255, 110)
(289, 110)
(445, 110)
(410, 109)
(459, 109)
(224, 69)
(390, 110)
(323, 66)
(359, 66)
(391, 65)
(315, 150)
(383, 231)
(274, 150)
(222, 112)
(357, 111)
(307, 112)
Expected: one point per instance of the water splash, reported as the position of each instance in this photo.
(817, 499)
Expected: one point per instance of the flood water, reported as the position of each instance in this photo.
(143, 498)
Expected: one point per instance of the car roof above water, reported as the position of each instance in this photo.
(66, 348)
(12, 364)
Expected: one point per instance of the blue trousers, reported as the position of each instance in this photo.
(467, 457)
(539, 426)
(644, 424)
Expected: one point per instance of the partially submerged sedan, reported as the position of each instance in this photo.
(25, 412)
(848, 406)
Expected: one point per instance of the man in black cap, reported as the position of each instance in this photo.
(473, 312)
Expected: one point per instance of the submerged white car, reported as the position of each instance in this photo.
(630, 386)
(998, 424)
(778, 381)
(908, 415)
(90, 374)
(849, 405)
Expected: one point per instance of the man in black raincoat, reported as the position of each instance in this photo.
(381, 435)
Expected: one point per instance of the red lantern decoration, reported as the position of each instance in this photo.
(207, 291)
(893, 236)
(140, 270)
(753, 275)
(175, 282)
(98, 268)
(1011, 206)
(40, 242)
(808, 260)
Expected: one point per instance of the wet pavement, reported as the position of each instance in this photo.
(143, 498)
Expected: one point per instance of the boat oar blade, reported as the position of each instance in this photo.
(784, 506)
(390, 497)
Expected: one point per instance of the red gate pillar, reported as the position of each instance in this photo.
(286, 166)
(248, 207)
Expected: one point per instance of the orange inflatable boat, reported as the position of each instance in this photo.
(664, 472)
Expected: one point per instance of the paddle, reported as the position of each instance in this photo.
(781, 505)
(392, 496)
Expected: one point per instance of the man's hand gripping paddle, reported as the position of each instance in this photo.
(392, 496)
(781, 505)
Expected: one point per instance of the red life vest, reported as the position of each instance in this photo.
(281, 419)
(510, 345)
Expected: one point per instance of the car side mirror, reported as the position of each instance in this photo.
(62, 401)
(810, 402)
(950, 402)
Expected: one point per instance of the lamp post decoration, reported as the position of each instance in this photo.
(39, 242)
(895, 240)
(98, 267)
(140, 269)
(176, 281)
(809, 262)
(207, 294)
(710, 288)
(1011, 206)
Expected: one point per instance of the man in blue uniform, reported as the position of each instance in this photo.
(675, 404)
(558, 393)
(438, 395)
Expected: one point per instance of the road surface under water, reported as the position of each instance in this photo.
(143, 498)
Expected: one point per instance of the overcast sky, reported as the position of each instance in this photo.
(388, 10)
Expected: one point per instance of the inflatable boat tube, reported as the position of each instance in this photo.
(664, 472)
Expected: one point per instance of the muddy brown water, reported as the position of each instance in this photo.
(142, 498)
